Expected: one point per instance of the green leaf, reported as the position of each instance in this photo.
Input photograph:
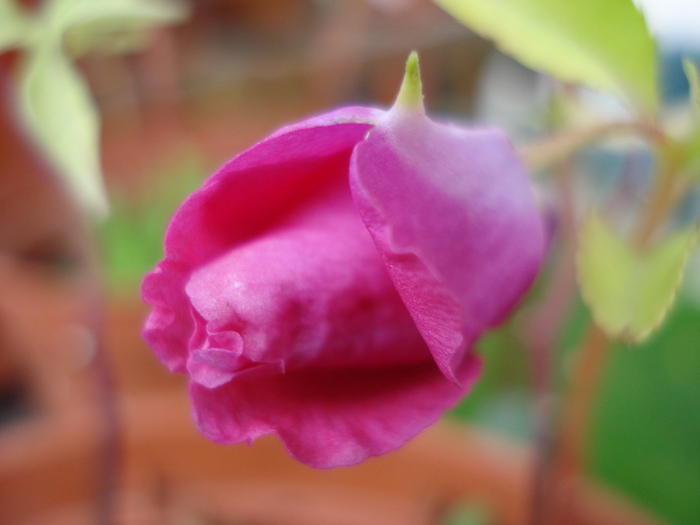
(602, 44)
(132, 236)
(467, 513)
(691, 71)
(113, 25)
(13, 24)
(691, 149)
(647, 427)
(629, 293)
(68, 14)
(56, 106)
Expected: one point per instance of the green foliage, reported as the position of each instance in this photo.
(110, 25)
(690, 148)
(691, 72)
(57, 105)
(629, 293)
(602, 44)
(13, 24)
(648, 426)
(132, 237)
(466, 514)
(647, 429)
(66, 14)
(55, 102)
(500, 398)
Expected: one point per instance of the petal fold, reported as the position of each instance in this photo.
(453, 216)
(332, 417)
(311, 292)
(248, 194)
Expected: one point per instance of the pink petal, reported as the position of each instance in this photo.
(453, 216)
(169, 325)
(330, 359)
(332, 417)
(247, 195)
(311, 292)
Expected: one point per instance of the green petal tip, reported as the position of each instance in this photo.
(410, 95)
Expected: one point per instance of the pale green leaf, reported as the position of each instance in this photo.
(13, 24)
(111, 25)
(691, 153)
(604, 264)
(661, 272)
(70, 14)
(58, 109)
(629, 293)
(602, 44)
(691, 71)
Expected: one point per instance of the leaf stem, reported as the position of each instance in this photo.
(544, 153)
(664, 195)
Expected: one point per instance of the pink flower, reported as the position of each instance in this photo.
(327, 285)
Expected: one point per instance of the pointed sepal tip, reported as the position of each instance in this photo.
(410, 97)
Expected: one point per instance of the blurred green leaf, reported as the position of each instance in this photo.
(691, 72)
(66, 14)
(500, 399)
(628, 293)
(55, 102)
(13, 24)
(58, 109)
(648, 426)
(110, 25)
(467, 514)
(602, 44)
(691, 148)
(691, 155)
(132, 236)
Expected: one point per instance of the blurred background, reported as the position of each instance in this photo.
(93, 429)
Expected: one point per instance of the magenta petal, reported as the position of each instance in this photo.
(169, 325)
(261, 185)
(332, 417)
(453, 216)
(311, 292)
(212, 367)
(247, 195)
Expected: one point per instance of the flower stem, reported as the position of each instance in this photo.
(544, 331)
(572, 443)
(577, 416)
(108, 482)
(665, 194)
